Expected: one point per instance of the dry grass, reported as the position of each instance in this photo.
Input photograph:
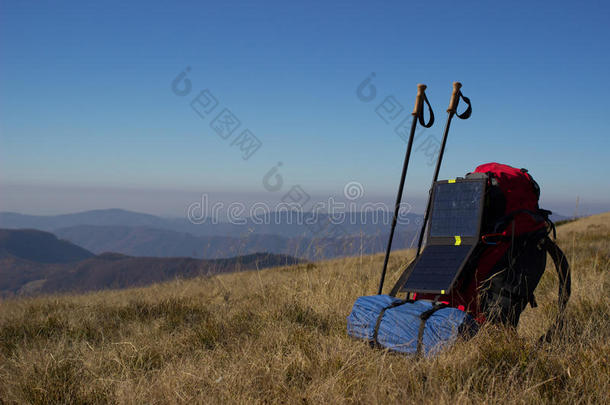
(278, 336)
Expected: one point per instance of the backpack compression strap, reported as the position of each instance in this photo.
(424, 316)
(374, 342)
(565, 285)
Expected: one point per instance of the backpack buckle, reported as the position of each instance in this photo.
(493, 238)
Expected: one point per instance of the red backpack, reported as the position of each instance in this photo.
(501, 275)
(511, 257)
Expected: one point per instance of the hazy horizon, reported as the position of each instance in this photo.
(26, 199)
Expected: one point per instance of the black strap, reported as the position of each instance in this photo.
(565, 286)
(424, 316)
(466, 114)
(539, 215)
(395, 304)
(420, 116)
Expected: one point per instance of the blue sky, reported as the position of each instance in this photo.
(86, 103)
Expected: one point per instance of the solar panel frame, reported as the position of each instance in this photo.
(448, 241)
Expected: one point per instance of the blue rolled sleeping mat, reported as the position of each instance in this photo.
(413, 327)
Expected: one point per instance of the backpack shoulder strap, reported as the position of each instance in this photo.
(565, 284)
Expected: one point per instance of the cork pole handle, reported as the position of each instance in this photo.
(421, 90)
(455, 97)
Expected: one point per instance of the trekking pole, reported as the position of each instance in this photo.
(452, 110)
(418, 114)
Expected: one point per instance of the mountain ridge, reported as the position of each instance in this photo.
(37, 262)
(39, 246)
(311, 236)
(285, 232)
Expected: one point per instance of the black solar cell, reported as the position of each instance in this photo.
(436, 268)
(455, 209)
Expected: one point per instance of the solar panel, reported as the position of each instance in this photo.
(454, 226)
(436, 268)
(456, 208)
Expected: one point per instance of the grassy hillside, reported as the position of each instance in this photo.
(278, 336)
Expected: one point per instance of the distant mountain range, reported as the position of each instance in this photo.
(147, 249)
(290, 233)
(34, 262)
(96, 217)
(287, 224)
